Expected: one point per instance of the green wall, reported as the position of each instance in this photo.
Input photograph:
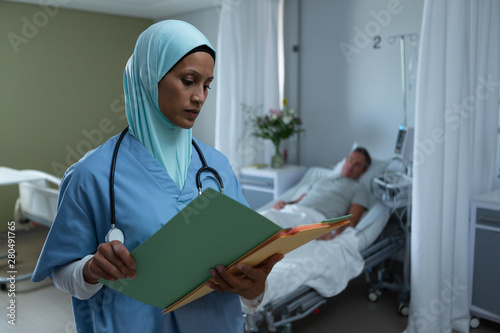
(61, 88)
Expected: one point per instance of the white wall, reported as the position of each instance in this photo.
(355, 94)
(291, 28)
(496, 185)
(207, 21)
(340, 98)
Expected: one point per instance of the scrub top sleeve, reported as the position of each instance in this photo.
(71, 237)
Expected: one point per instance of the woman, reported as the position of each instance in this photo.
(166, 82)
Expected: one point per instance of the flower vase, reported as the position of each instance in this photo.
(277, 161)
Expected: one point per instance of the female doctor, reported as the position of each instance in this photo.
(166, 82)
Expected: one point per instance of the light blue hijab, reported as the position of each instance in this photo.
(157, 50)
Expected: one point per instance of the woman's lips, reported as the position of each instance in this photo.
(193, 113)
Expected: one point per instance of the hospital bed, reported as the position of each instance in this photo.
(37, 202)
(308, 276)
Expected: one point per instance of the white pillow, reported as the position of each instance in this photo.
(337, 169)
(377, 168)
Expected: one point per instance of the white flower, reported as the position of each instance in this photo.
(287, 120)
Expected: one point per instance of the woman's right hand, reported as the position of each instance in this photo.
(112, 261)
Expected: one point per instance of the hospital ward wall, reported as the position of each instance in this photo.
(61, 80)
(344, 78)
(61, 86)
(350, 75)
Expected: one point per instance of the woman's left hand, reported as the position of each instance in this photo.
(251, 285)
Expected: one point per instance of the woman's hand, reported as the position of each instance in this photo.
(111, 262)
(251, 285)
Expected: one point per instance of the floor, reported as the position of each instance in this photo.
(41, 308)
(350, 311)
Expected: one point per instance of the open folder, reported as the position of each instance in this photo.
(173, 265)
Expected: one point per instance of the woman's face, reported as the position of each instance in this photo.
(182, 92)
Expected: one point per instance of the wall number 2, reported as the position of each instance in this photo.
(376, 42)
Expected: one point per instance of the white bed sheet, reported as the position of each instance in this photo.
(326, 266)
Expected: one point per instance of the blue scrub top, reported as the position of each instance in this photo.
(146, 198)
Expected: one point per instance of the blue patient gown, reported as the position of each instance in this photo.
(146, 198)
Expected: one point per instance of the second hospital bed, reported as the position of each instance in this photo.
(37, 202)
(308, 276)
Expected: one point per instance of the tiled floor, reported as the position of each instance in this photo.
(41, 308)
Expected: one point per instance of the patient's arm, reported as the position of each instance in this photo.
(280, 204)
(356, 210)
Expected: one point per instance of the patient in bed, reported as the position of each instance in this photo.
(326, 266)
(331, 197)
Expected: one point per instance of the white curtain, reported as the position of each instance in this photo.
(247, 76)
(454, 157)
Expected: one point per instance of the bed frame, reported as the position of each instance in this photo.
(37, 203)
(279, 315)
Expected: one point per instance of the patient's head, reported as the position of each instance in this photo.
(356, 163)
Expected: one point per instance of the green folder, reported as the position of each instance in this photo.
(175, 262)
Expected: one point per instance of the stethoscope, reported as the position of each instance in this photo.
(115, 233)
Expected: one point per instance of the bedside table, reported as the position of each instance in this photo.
(485, 257)
(261, 186)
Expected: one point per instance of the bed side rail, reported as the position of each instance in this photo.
(296, 305)
(383, 249)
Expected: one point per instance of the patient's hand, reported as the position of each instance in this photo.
(327, 236)
(333, 234)
(279, 205)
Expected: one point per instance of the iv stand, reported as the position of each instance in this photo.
(404, 293)
(392, 39)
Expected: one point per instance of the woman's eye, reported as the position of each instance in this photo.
(187, 82)
(207, 87)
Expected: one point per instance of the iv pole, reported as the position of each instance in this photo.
(392, 39)
(404, 293)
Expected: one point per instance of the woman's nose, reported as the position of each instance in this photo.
(199, 96)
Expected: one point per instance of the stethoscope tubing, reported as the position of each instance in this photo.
(114, 230)
(112, 178)
(205, 167)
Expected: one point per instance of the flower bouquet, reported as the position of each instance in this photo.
(278, 125)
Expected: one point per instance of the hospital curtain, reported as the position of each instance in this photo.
(247, 76)
(455, 145)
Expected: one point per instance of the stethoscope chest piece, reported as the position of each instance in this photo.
(115, 234)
